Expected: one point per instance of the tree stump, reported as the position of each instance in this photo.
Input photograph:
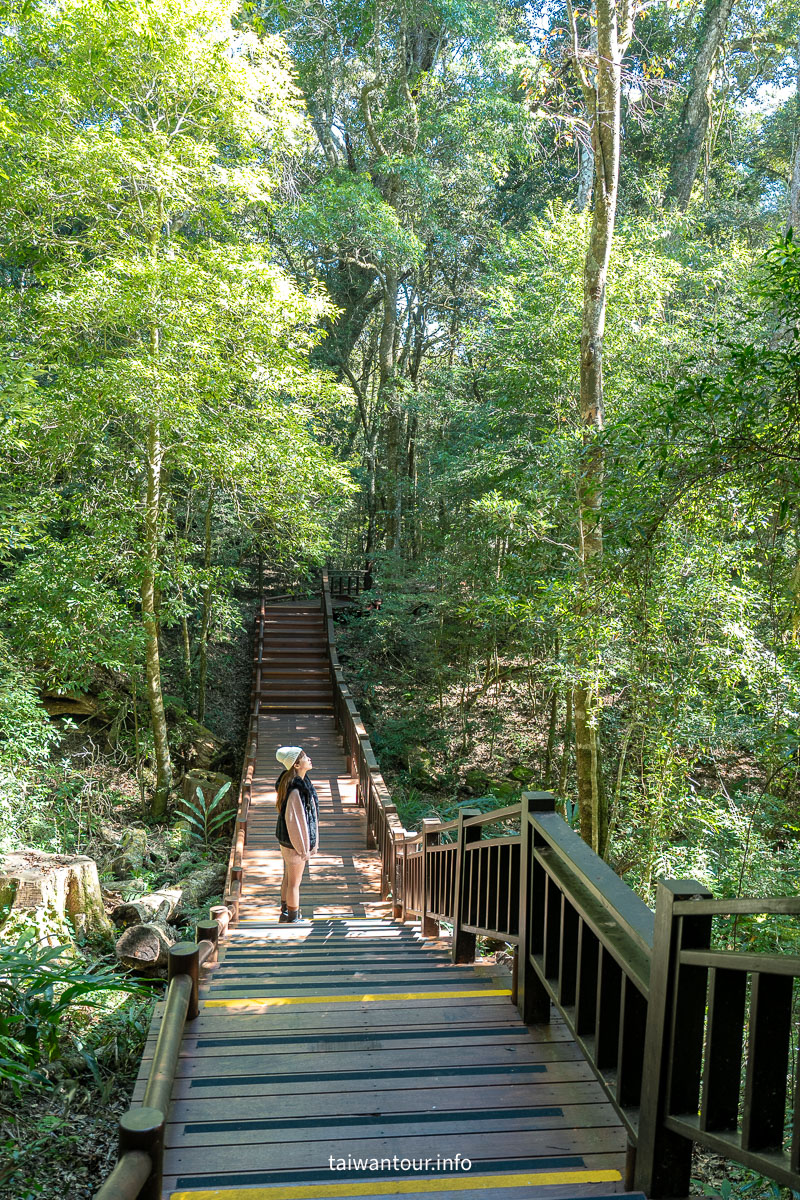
(67, 885)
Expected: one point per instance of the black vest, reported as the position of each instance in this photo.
(308, 796)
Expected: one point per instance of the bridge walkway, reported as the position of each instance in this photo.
(348, 1057)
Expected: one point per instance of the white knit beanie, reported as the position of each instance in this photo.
(287, 756)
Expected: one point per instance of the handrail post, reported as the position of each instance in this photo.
(429, 926)
(208, 931)
(369, 808)
(143, 1129)
(408, 837)
(184, 959)
(671, 1074)
(463, 943)
(398, 838)
(387, 850)
(532, 998)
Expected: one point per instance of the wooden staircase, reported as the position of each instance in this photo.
(292, 672)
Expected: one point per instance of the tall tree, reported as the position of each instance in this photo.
(696, 111)
(600, 76)
(147, 136)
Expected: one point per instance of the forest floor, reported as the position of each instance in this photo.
(58, 1135)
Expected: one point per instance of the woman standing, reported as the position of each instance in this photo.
(297, 827)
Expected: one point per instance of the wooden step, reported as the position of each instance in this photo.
(284, 627)
(304, 672)
(307, 658)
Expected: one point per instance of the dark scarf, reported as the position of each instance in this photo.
(310, 800)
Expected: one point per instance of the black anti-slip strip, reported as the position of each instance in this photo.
(273, 986)
(403, 1118)
(326, 1175)
(397, 1073)
(342, 970)
(302, 1039)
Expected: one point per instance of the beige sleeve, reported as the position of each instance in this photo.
(296, 823)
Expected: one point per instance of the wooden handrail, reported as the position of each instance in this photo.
(139, 1169)
(659, 1015)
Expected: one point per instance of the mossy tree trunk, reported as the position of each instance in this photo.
(152, 513)
(600, 75)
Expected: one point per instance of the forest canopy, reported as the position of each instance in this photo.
(498, 301)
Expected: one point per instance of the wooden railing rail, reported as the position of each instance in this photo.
(233, 878)
(139, 1169)
(371, 790)
(346, 583)
(669, 1025)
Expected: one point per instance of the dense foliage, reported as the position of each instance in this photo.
(281, 282)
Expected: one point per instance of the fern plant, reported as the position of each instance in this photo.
(204, 816)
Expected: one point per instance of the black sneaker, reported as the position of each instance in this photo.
(284, 913)
(293, 916)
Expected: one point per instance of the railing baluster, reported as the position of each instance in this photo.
(429, 926)
(767, 1061)
(632, 1027)
(586, 982)
(609, 994)
(568, 955)
(464, 943)
(552, 928)
(719, 1108)
(532, 997)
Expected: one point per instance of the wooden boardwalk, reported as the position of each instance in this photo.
(348, 1057)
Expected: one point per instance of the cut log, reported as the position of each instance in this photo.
(156, 906)
(66, 884)
(201, 884)
(144, 948)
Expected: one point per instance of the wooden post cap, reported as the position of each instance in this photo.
(140, 1127)
(182, 956)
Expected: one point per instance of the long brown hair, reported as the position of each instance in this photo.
(285, 782)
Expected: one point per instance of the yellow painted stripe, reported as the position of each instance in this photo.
(396, 1187)
(367, 997)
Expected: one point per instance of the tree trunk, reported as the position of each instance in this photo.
(387, 402)
(551, 739)
(564, 768)
(794, 182)
(602, 94)
(372, 466)
(185, 639)
(585, 177)
(202, 670)
(586, 156)
(696, 111)
(592, 804)
(158, 806)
